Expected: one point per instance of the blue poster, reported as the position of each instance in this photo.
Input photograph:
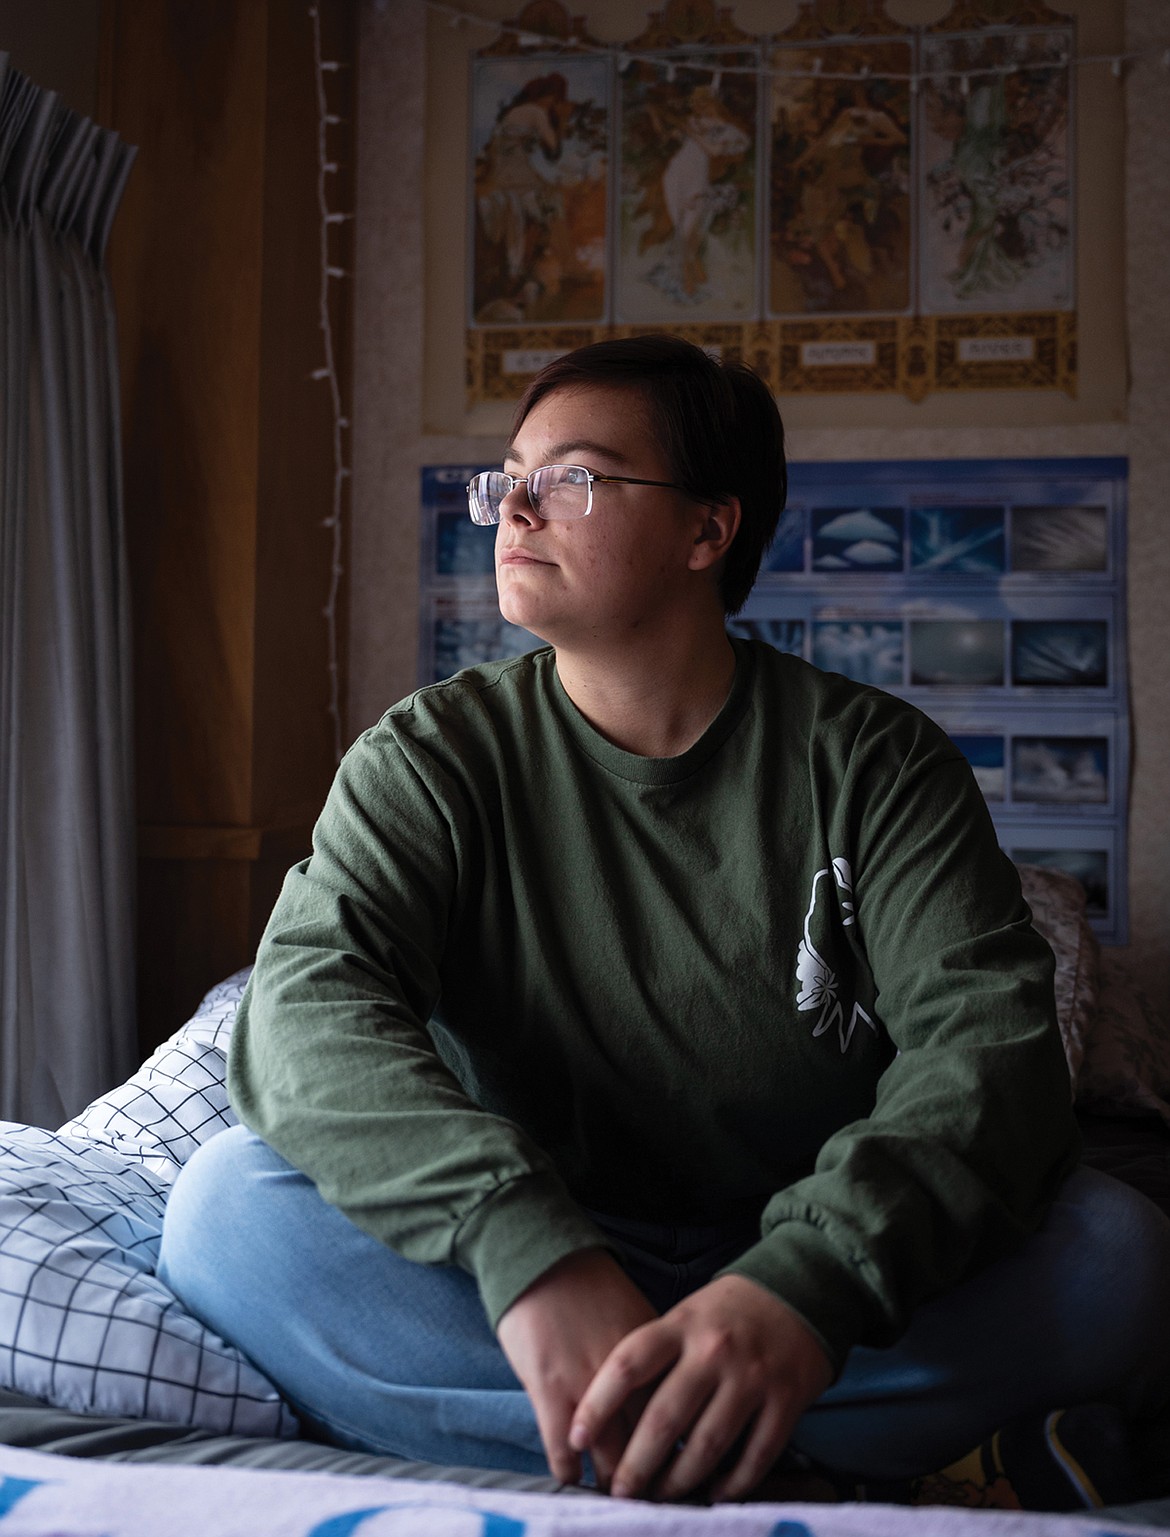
(991, 594)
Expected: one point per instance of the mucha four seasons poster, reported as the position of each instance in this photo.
(541, 143)
(687, 233)
(995, 216)
(840, 204)
(849, 204)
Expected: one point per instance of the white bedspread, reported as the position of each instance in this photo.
(48, 1496)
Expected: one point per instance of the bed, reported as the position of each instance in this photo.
(116, 1405)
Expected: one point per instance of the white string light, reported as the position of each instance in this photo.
(701, 60)
(330, 272)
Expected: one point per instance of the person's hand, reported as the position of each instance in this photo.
(731, 1361)
(556, 1335)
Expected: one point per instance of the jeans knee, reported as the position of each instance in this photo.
(1124, 1237)
(207, 1211)
(1119, 1269)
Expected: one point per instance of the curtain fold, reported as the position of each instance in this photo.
(67, 1026)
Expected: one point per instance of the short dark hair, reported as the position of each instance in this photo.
(717, 423)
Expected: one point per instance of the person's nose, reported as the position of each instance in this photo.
(516, 508)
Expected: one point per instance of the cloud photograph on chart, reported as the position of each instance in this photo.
(949, 652)
(857, 539)
(967, 541)
(1061, 770)
(866, 650)
(1060, 653)
(1059, 539)
(786, 551)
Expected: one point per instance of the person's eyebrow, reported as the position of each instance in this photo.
(562, 453)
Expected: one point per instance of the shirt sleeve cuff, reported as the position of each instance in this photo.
(517, 1233)
(819, 1273)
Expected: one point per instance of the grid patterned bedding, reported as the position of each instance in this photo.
(177, 1098)
(85, 1324)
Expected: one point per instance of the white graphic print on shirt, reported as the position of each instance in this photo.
(818, 985)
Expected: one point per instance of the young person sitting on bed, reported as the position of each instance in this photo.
(655, 1057)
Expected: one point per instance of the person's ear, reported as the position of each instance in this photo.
(719, 526)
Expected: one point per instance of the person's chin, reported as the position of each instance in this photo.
(528, 616)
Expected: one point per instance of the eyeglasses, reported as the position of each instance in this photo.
(557, 492)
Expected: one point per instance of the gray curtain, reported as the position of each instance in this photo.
(67, 1029)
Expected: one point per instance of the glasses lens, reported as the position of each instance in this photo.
(484, 495)
(560, 491)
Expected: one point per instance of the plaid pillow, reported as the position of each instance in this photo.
(84, 1322)
(177, 1098)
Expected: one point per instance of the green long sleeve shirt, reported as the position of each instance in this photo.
(788, 972)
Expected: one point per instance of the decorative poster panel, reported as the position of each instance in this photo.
(852, 205)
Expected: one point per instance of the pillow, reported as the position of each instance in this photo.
(1126, 1066)
(84, 1322)
(1118, 1052)
(177, 1098)
(1057, 900)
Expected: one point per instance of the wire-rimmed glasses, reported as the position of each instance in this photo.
(558, 492)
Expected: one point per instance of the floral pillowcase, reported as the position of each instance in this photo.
(1118, 1051)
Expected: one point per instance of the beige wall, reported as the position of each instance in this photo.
(1147, 441)
(409, 322)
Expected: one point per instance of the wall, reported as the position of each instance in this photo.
(400, 279)
(55, 43)
(228, 453)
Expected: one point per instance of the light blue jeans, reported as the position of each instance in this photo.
(379, 1354)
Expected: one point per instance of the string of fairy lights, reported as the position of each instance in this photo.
(719, 60)
(330, 272)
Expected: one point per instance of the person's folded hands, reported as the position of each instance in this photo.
(556, 1335)
(735, 1368)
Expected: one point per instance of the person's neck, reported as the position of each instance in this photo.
(648, 701)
